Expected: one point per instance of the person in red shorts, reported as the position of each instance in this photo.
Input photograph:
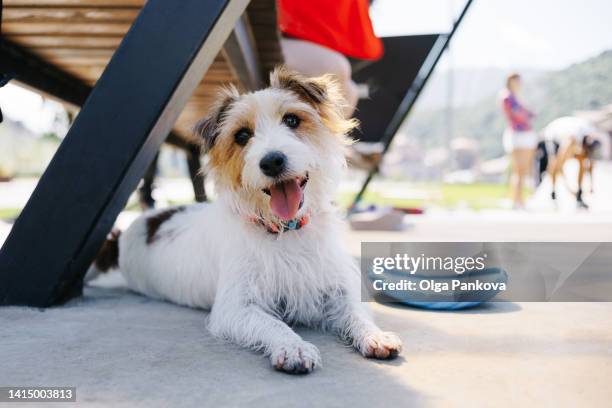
(318, 36)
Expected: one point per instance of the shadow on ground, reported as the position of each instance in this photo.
(119, 347)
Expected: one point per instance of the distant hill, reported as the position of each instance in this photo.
(469, 86)
(582, 86)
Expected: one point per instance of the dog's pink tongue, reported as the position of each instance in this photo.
(285, 199)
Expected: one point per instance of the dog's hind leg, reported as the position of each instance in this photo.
(107, 257)
(565, 153)
(582, 164)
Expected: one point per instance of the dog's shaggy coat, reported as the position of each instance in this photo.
(223, 257)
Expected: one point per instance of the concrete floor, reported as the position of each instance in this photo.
(126, 350)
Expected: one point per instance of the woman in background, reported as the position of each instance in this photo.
(520, 140)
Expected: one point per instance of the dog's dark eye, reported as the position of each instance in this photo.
(291, 120)
(242, 136)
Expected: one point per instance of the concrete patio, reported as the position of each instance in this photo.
(120, 348)
(123, 349)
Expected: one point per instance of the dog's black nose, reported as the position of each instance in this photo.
(273, 164)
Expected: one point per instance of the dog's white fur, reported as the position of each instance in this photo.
(256, 283)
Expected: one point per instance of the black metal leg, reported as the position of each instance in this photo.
(192, 152)
(409, 100)
(196, 174)
(145, 192)
(113, 140)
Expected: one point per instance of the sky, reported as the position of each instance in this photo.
(35, 112)
(507, 34)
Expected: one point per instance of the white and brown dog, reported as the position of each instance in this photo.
(269, 251)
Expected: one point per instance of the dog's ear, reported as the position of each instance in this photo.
(323, 93)
(314, 91)
(207, 128)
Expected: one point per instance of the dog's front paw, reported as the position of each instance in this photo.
(299, 358)
(380, 345)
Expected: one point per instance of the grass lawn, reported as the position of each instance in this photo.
(413, 195)
(9, 213)
(475, 196)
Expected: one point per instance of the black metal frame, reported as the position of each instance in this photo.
(194, 164)
(20, 65)
(240, 50)
(114, 138)
(412, 95)
(32, 71)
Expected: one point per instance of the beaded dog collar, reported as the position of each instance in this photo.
(291, 225)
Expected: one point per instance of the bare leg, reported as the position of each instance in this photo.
(564, 153)
(515, 180)
(522, 162)
(527, 161)
(312, 59)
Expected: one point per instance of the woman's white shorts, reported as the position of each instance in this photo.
(515, 139)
